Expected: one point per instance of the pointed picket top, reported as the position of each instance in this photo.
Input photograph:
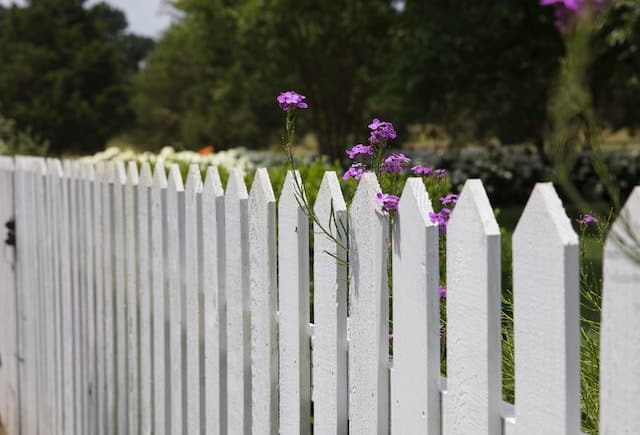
(132, 174)
(544, 205)
(290, 193)
(109, 172)
(329, 198)
(175, 178)
(473, 204)
(415, 201)
(620, 341)
(120, 174)
(236, 188)
(160, 176)
(212, 182)
(54, 167)
(330, 310)
(261, 189)
(473, 400)
(546, 284)
(146, 178)
(365, 196)
(194, 179)
(6, 163)
(98, 171)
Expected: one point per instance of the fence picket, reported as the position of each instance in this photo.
(237, 292)
(212, 272)
(545, 279)
(175, 227)
(368, 312)
(143, 255)
(109, 290)
(191, 296)
(620, 342)
(161, 411)
(131, 295)
(264, 304)
(329, 356)
(98, 219)
(415, 377)
(474, 363)
(293, 288)
(88, 180)
(9, 405)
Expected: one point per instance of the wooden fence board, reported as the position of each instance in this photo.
(212, 273)
(329, 354)
(415, 377)
(293, 288)
(368, 312)
(546, 286)
(620, 341)
(474, 363)
(237, 292)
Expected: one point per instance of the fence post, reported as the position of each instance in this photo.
(620, 341)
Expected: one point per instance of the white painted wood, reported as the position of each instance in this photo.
(474, 363)
(67, 312)
(131, 296)
(81, 302)
(238, 318)
(175, 226)
(368, 312)
(330, 310)
(293, 288)
(9, 393)
(545, 279)
(27, 344)
(144, 295)
(109, 293)
(264, 305)
(191, 291)
(88, 181)
(120, 279)
(212, 272)
(415, 377)
(158, 297)
(39, 259)
(76, 293)
(620, 342)
(55, 177)
(98, 219)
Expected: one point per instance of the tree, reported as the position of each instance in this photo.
(66, 71)
(215, 75)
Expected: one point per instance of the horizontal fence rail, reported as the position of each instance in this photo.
(135, 302)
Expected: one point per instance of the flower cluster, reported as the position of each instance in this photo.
(291, 100)
(566, 10)
(587, 219)
(442, 217)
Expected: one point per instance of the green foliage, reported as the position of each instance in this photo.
(65, 71)
(214, 76)
(13, 141)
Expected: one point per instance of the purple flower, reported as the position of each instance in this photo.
(587, 219)
(422, 171)
(291, 100)
(359, 150)
(567, 9)
(381, 130)
(355, 171)
(394, 163)
(439, 173)
(387, 201)
(441, 218)
(442, 290)
(451, 198)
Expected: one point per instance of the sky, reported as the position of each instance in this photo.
(145, 17)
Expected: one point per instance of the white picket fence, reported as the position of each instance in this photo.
(135, 304)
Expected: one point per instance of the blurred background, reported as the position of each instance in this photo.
(509, 91)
